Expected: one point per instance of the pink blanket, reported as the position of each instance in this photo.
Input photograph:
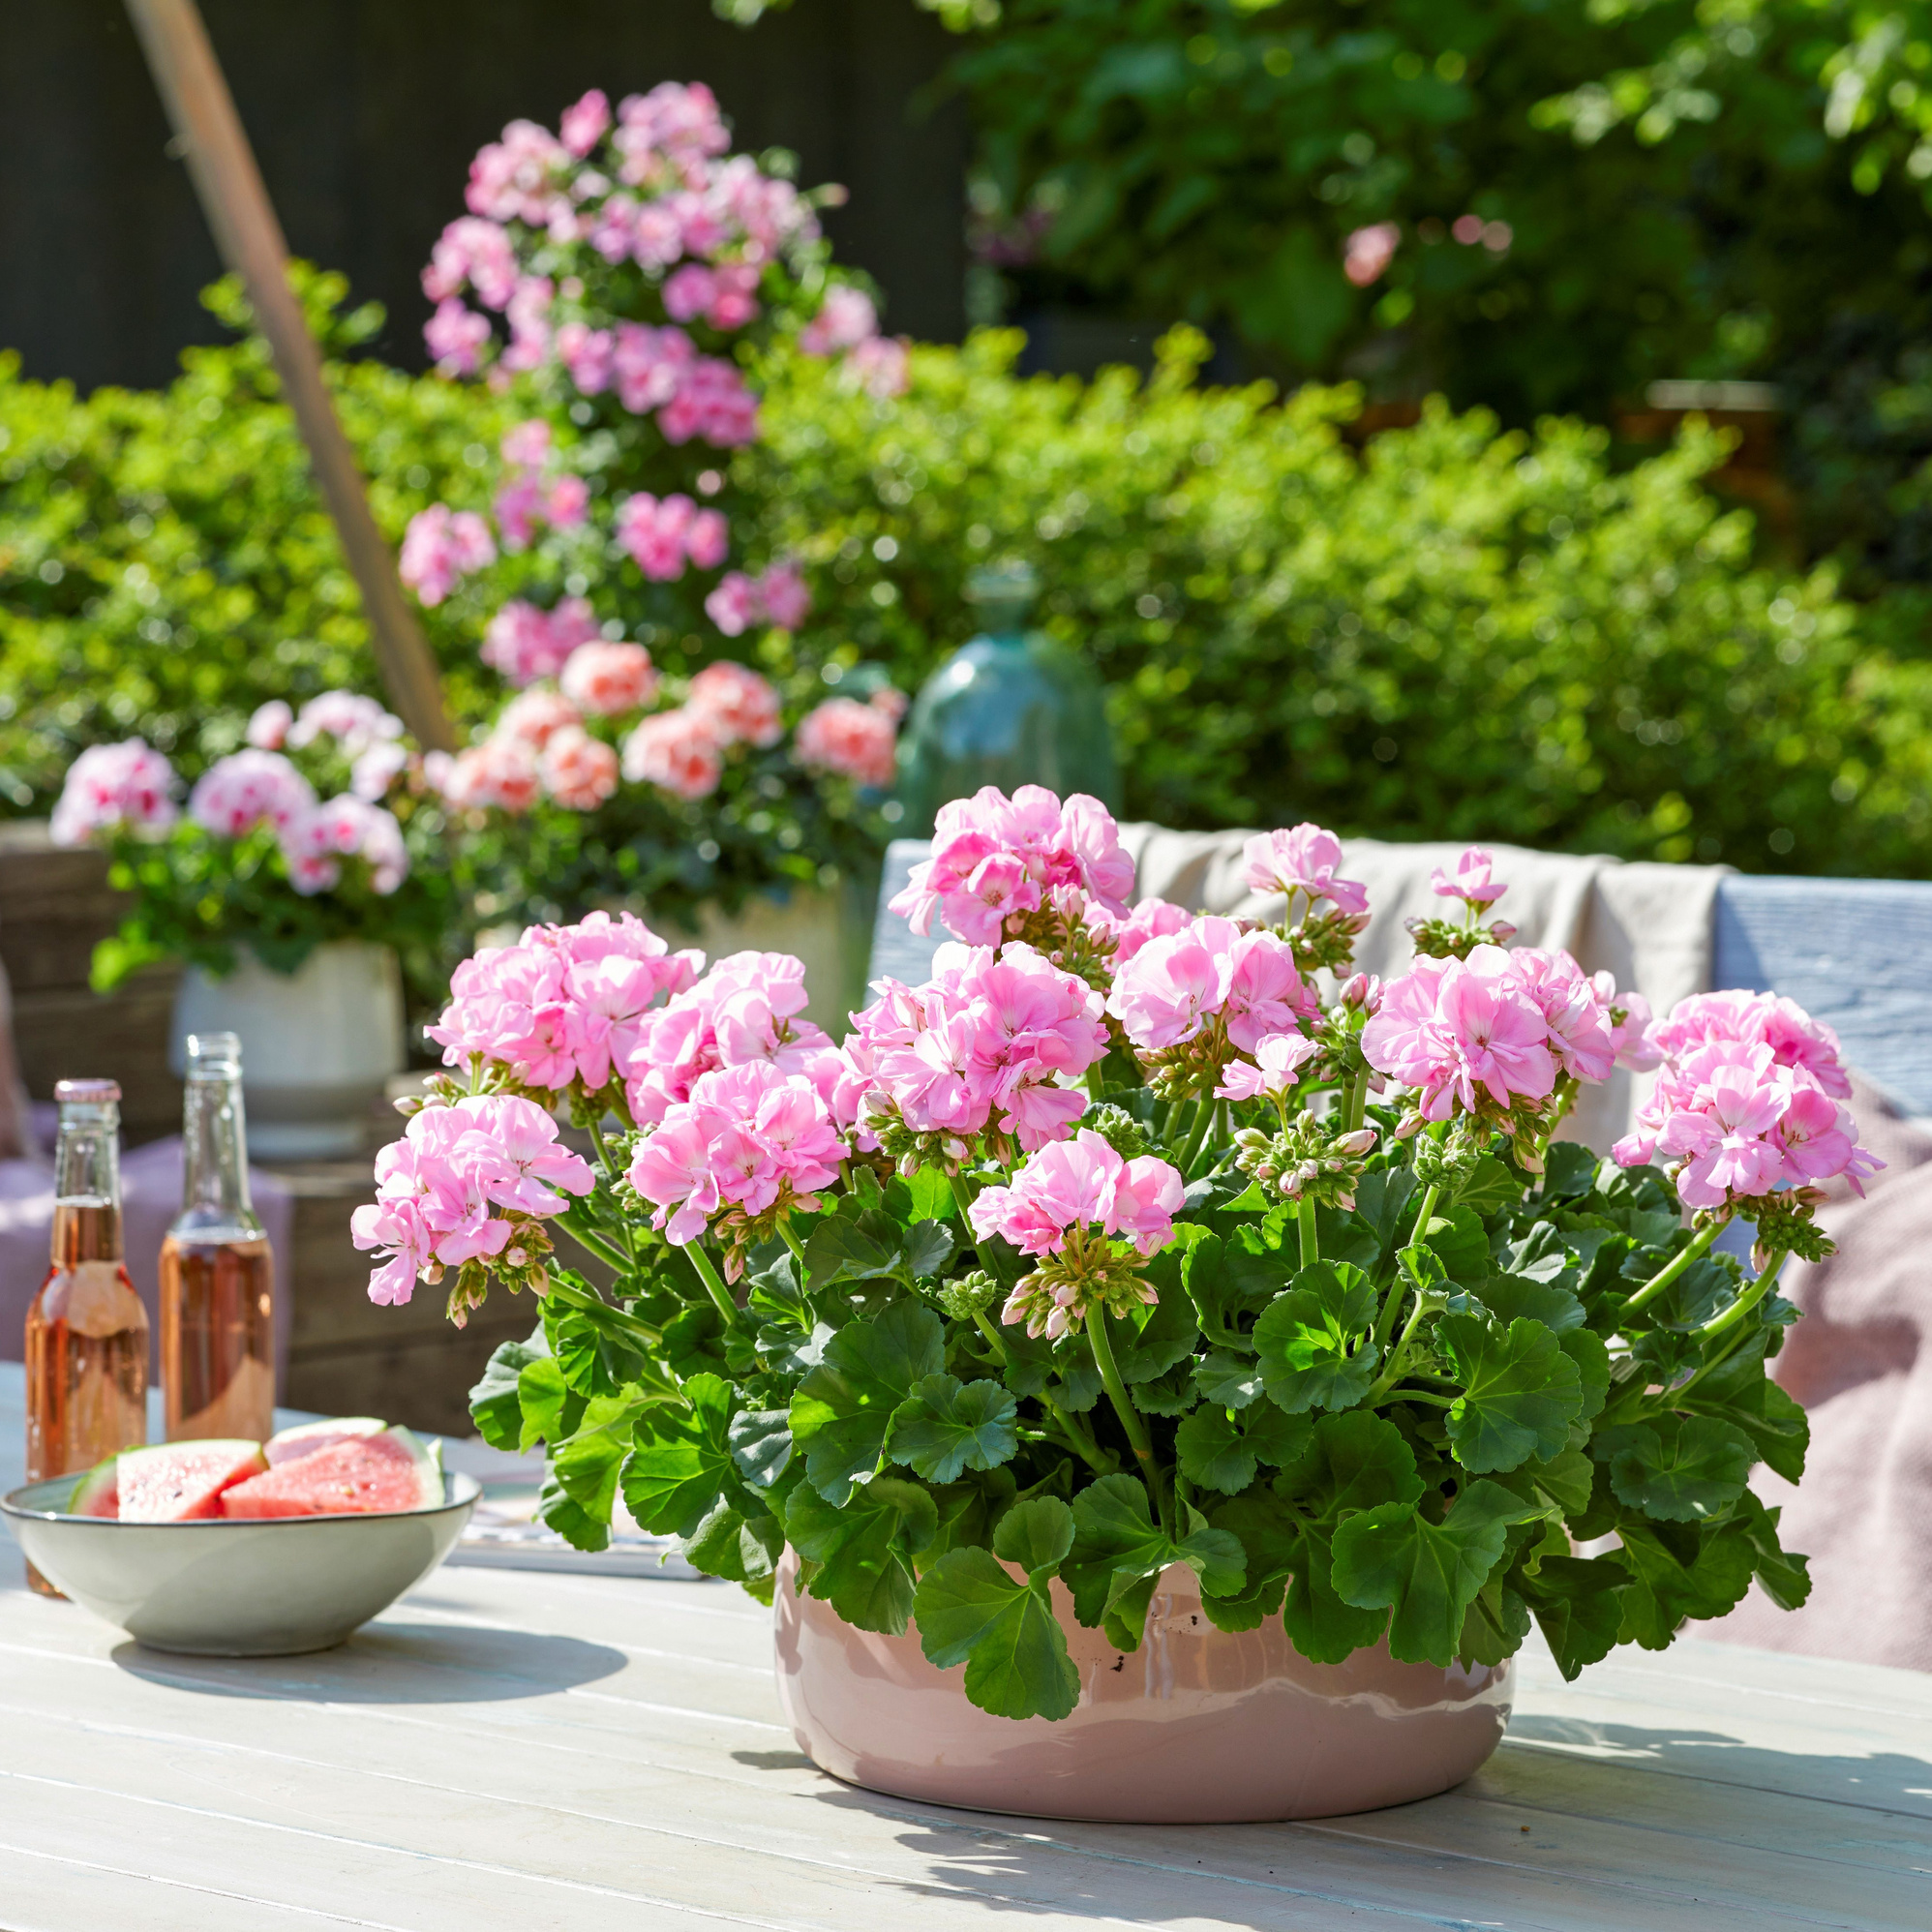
(1860, 1362)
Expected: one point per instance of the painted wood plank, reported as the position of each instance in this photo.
(611, 1751)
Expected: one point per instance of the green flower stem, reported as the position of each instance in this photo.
(1385, 1317)
(713, 1285)
(1719, 1324)
(1197, 1134)
(1358, 1101)
(1672, 1269)
(963, 1196)
(1130, 1416)
(1397, 1355)
(792, 1241)
(1077, 1437)
(1310, 1247)
(1096, 1080)
(619, 1317)
(604, 1161)
(593, 1243)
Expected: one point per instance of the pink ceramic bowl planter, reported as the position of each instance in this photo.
(1197, 1727)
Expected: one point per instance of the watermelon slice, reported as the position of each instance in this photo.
(306, 1437)
(177, 1482)
(98, 1492)
(364, 1475)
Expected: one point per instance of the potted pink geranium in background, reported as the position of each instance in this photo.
(297, 874)
(1212, 1349)
(661, 742)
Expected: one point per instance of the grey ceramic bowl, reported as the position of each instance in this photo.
(235, 1589)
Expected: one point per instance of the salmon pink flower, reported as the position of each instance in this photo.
(855, 741)
(676, 751)
(736, 704)
(577, 771)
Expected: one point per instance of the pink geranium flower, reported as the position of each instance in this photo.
(1470, 880)
(1302, 858)
(113, 785)
(855, 741)
(1458, 1032)
(606, 679)
(678, 751)
(577, 771)
(1275, 1071)
(736, 704)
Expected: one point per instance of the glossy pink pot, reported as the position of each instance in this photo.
(1197, 1727)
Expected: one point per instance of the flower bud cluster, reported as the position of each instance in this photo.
(1306, 1160)
(1448, 939)
(969, 1295)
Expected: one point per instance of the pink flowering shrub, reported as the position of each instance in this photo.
(630, 283)
(300, 836)
(1134, 1238)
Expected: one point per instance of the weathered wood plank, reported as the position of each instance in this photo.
(511, 1748)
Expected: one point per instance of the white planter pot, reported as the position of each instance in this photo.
(812, 925)
(318, 1045)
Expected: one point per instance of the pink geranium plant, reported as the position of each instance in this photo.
(627, 282)
(308, 831)
(1167, 1237)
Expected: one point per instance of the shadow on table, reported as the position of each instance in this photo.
(413, 1663)
(1887, 1781)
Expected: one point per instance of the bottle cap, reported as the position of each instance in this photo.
(213, 1056)
(87, 1092)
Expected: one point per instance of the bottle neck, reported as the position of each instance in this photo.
(87, 1184)
(215, 1153)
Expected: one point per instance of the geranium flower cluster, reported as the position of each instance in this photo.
(1086, 1213)
(110, 787)
(992, 1041)
(996, 860)
(1325, 912)
(469, 1182)
(114, 787)
(564, 1009)
(1748, 1099)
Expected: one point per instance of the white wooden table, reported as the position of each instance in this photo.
(524, 1751)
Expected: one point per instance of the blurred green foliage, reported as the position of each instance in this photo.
(165, 564)
(1457, 633)
(1713, 189)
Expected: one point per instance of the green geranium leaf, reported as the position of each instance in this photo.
(1566, 1480)
(1460, 1240)
(844, 1409)
(864, 1551)
(549, 1405)
(682, 1460)
(1578, 1604)
(1520, 1392)
(585, 1464)
(556, 1507)
(1213, 1453)
(838, 1249)
(1490, 1186)
(1306, 1340)
(969, 1508)
(760, 1444)
(928, 1246)
(495, 1402)
(1035, 1535)
(1679, 1571)
(1426, 1573)
(1569, 1170)
(946, 1426)
(1119, 1553)
(740, 1548)
(1227, 1380)
(1784, 1575)
(1382, 1203)
(1591, 1354)
(1738, 1391)
(1518, 1297)
(1678, 1468)
(1493, 1628)
(971, 1610)
(932, 1195)
(1153, 1338)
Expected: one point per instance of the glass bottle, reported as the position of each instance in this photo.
(217, 1270)
(1011, 707)
(87, 1332)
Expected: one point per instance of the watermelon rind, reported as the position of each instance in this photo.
(135, 1472)
(98, 1492)
(306, 1437)
(427, 1459)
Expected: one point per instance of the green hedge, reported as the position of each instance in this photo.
(1456, 633)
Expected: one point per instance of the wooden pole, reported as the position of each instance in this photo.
(223, 167)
